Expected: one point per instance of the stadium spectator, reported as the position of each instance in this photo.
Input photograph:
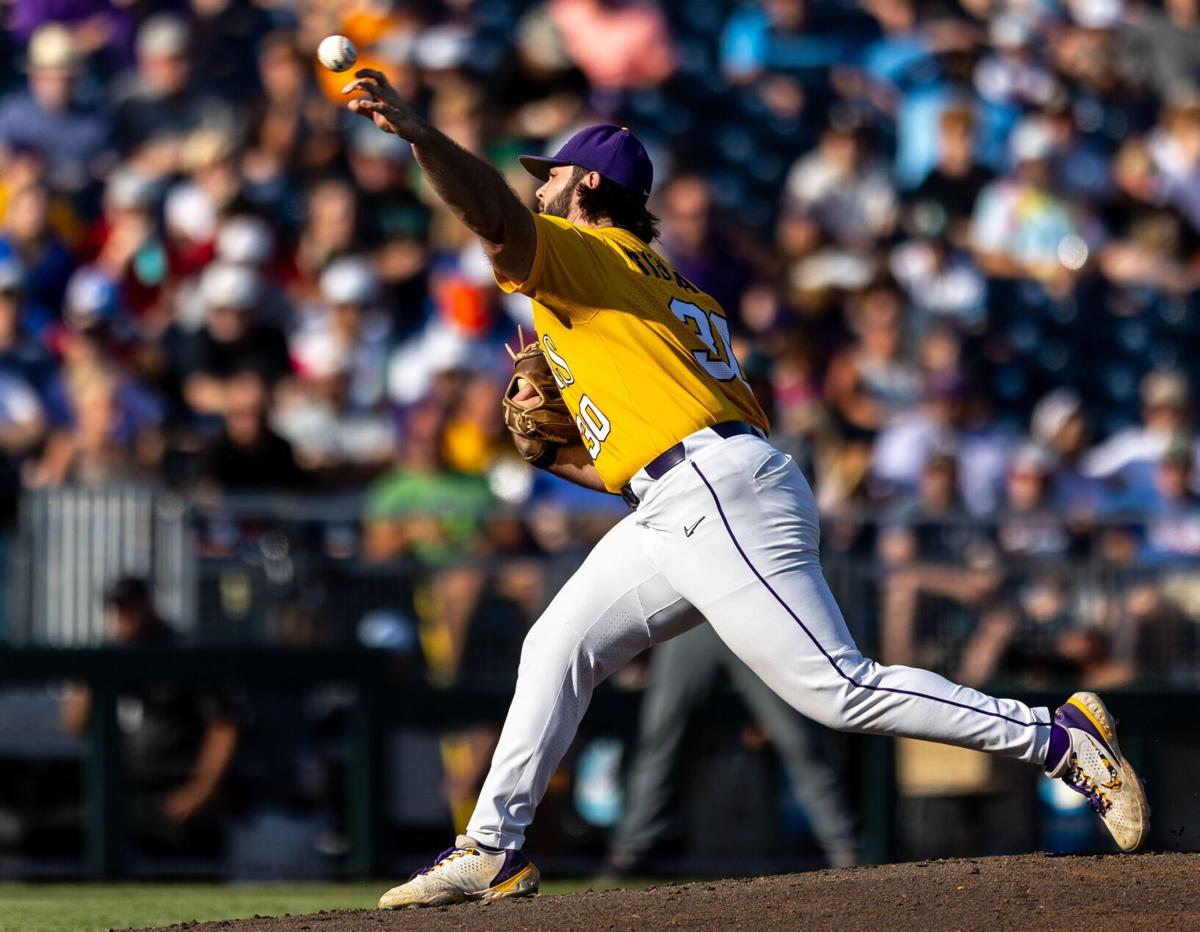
(331, 230)
(102, 442)
(73, 139)
(1060, 426)
(941, 283)
(908, 439)
(422, 508)
(1035, 638)
(937, 560)
(693, 240)
(954, 183)
(875, 379)
(46, 263)
(1170, 535)
(126, 244)
(1030, 529)
(777, 36)
(1174, 150)
(247, 455)
(1167, 42)
(22, 414)
(846, 190)
(161, 102)
(1129, 456)
(177, 750)
(334, 415)
(20, 353)
(618, 44)
(1022, 228)
(231, 340)
(247, 240)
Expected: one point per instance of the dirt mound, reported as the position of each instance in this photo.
(1160, 891)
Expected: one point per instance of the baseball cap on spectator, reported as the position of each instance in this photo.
(92, 300)
(1032, 458)
(247, 240)
(52, 48)
(1031, 141)
(1095, 14)
(442, 48)
(319, 355)
(1053, 412)
(830, 269)
(163, 36)
(611, 151)
(225, 285)
(189, 213)
(1009, 32)
(128, 190)
(1165, 388)
(348, 281)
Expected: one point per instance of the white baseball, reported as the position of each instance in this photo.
(337, 53)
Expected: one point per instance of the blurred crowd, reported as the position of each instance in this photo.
(958, 243)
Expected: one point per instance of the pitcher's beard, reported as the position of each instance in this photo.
(561, 205)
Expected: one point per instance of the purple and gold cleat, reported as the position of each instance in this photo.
(1085, 755)
(468, 871)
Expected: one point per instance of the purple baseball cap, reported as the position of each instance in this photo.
(612, 151)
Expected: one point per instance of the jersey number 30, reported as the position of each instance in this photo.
(713, 331)
(594, 426)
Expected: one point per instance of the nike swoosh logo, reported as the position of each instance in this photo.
(689, 531)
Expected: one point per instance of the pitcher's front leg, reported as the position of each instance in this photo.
(598, 622)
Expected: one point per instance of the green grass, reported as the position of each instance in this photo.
(61, 907)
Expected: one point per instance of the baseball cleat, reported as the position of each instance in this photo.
(465, 872)
(1085, 755)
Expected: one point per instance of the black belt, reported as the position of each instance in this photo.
(673, 456)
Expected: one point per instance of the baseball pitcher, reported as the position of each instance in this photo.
(639, 360)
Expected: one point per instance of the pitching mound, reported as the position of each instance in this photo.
(1159, 891)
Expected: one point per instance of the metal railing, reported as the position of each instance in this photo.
(71, 543)
(277, 569)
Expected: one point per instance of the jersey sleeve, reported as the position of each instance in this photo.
(572, 268)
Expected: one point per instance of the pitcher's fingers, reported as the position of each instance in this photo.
(366, 107)
(371, 73)
(362, 84)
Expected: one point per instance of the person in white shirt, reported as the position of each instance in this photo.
(1129, 456)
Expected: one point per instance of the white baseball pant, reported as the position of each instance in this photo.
(733, 531)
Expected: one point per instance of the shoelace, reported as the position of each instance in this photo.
(1082, 784)
(448, 855)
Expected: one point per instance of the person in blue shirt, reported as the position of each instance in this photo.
(74, 141)
(776, 36)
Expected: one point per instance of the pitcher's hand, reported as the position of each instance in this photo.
(383, 104)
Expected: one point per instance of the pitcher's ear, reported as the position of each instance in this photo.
(591, 180)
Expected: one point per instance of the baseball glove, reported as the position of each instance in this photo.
(534, 410)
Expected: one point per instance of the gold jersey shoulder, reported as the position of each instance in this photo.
(643, 357)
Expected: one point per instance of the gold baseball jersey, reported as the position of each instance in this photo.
(642, 356)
